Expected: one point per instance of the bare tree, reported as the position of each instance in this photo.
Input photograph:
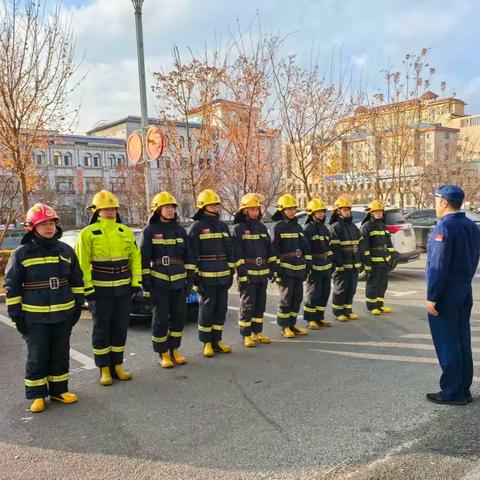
(9, 211)
(37, 75)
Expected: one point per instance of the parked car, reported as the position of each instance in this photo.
(423, 221)
(12, 239)
(403, 235)
(141, 309)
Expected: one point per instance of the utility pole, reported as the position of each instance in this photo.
(137, 5)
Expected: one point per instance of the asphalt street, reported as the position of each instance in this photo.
(342, 402)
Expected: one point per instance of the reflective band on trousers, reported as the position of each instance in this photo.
(244, 324)
(205, 329)
(36, 383)
(60, 307)
(58, 378)
(257, 319)
(176, 334)
(283, 315)
(101, 351)
(117, 349)
(160, 339)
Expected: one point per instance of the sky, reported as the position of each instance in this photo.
(370, 33)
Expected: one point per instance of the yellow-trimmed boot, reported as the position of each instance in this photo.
(177, 358)
(261, 337)
(121, 373)
(313, 325)
(38, 405)
(299, 330)
(325, 323)
(249, 342)
(353, 316)
(222, 348)
(207, 350)
(287, 332)
(165, 360)
(376, 311)
(342, 318)
(386, 309)
(105, 376)
(66, 397)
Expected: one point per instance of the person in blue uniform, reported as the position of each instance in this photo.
(453, 251)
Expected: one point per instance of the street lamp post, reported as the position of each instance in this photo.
(137, 5)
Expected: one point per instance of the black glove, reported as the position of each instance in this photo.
(90, 297)
(135, 292)
(20, 324)
(77, 312)
(368, 272)
(189, 285)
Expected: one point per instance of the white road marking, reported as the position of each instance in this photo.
(427, 336)
(420, 270)
(393, 292)
(87, 362)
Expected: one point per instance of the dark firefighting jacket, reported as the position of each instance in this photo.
(109, 258)
(43, 284)
(166, 256)
(253, 251)
(212, 251)
(377, 246)
(290, 248)
(318, 237)
(345, 242)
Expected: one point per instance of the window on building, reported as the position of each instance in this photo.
(67, 159)
(40, 158)
(447, 135)
(97, 160)
(117, 185)
(87, 160)
(64, 185)
(93, 184)
(57, 159)
(111, 160)
(121, 161)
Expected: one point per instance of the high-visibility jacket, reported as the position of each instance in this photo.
(377, 246)
(318, 237)
(212, 250)
(345, 241)
(290, 248)
(43, 285)
(254, 260)
(165, 255)
(109, 258)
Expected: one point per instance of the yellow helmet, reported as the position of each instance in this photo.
(250, 200)
(103, 199)
(207, 197)
(375, 205)
(286, 201)
(343, 202)
(314, 205)
(161, 199)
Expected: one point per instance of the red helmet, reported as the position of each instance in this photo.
(39, 213)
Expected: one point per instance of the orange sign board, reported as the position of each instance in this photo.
(155, 142)
(134, 147)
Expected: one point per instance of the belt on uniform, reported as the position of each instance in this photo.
(350, 248)
(383, 248)
(319, 255)
(256, 261)
(296, 253)
(166, 261)
(111, 270)
(53, 283)
(213, 258)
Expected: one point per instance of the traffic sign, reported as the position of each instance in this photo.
(134, 147)
(155, 142)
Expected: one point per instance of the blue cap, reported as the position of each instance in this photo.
(451, 193)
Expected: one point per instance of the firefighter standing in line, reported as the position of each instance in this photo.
(112, 272)
(214, 259)
(345, 242)
(254, 264)
(378, 255)
(167, 277)
(293, 263)
(44, 295)
(317, 286)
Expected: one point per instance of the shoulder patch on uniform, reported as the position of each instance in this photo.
(439, 237)
(97, 232)
(205, 230)
(158, 235)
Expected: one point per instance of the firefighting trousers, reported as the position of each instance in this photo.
(48, 356)
(317, 291)
(291, 296)
(169, 312)
(376, 287)
(344, 289)
(212, 312)
(452, 340)
(253, 300)
(111, 316)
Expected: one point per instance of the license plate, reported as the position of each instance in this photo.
(192, 298)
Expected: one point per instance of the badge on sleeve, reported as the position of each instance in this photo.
(439, 237)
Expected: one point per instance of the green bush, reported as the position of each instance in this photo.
(4, 256)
